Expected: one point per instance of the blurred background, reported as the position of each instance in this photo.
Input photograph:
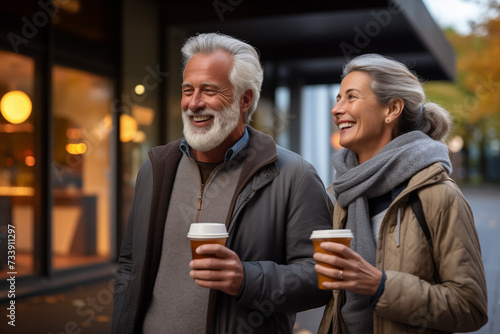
(88, 86)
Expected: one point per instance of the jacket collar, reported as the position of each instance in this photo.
(432, 174)
(260, 151)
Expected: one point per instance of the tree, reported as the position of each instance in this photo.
(481, 76)
(474, 98)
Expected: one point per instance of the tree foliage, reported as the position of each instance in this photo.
(473, 98)
(475, 95)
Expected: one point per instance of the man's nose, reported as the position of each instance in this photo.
(197, 102)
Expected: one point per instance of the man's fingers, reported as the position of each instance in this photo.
(208, 263)
(207, 275)
(214, 249)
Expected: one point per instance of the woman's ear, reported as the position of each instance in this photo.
(395, 109)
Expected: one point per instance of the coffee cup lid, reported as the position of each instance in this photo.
(332, 233)
(207, 230)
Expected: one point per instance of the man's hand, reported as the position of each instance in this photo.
(223, 272)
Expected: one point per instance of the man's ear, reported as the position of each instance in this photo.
(246, 100)
(395, 108)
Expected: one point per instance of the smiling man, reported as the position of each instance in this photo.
(213, 120)
(225, 171)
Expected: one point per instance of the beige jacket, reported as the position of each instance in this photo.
(411, 301)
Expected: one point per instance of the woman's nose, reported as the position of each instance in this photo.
(337, 108)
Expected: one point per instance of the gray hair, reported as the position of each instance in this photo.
(391, 80)
(246, 72)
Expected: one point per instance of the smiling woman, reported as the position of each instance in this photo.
(365, 124)
(394, 149)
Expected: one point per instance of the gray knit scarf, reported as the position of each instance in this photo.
(354, 184)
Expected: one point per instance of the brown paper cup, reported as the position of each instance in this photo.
(342, 236)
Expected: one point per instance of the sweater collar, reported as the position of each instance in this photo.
(230, 153)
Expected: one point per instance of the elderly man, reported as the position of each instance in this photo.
(222, 171)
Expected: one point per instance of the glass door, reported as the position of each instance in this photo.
(81, 181)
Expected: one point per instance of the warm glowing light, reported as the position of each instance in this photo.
(74, 133)
(139, 89)
(13, 128)
(140, 137)
(128, 127)
(16, 106)
(456, 144)
(143, 115)
(72, 6)
(335, 141)
(78, 148)
(17, 191)
(29, 161)
(107, 123)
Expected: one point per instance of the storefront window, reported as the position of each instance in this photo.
(81, 166)
(17, 162)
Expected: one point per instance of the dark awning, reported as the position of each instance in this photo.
(311, 40)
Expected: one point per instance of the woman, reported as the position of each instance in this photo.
(394, 146)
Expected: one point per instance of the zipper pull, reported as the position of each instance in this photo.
(199, 202)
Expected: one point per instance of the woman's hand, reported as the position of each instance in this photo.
(357, 274)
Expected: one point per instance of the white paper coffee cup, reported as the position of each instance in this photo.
(206, 233)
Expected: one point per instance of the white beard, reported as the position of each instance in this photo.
(209, 137)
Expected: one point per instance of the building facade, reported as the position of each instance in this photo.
(88, 86)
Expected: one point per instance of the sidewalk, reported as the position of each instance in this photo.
(86, 309)
(83, 309)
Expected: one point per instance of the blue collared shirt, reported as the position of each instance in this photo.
(230, 154)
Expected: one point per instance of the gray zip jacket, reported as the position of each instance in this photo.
(279, 200)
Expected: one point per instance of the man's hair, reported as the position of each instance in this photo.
(246, 72)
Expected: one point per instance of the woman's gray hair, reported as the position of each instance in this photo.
(246, 73)
(391, 80)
